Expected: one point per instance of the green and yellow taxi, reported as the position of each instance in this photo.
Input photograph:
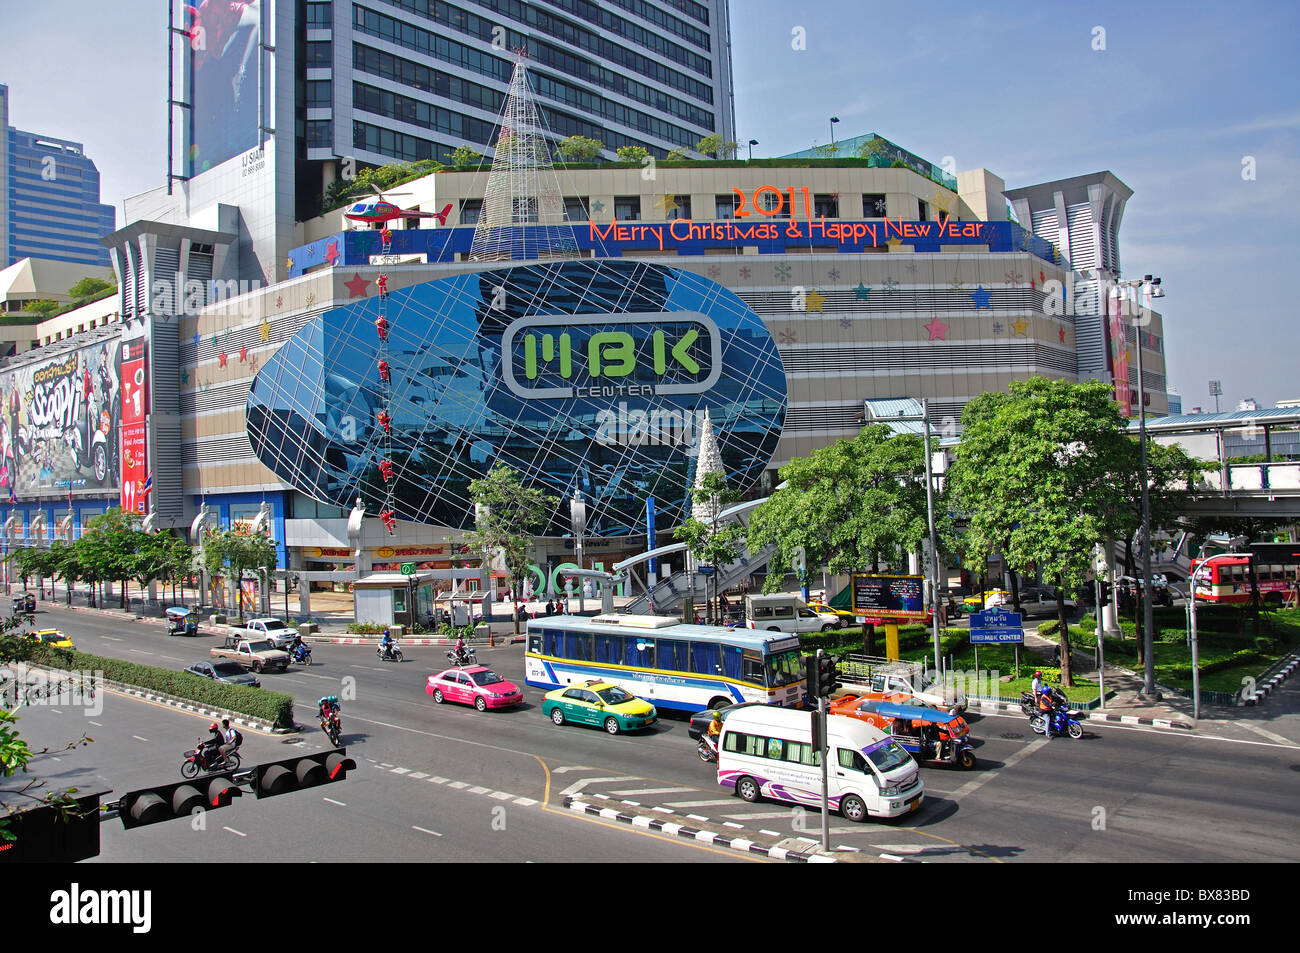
(826, 609)
(52, 637)
(599, 703)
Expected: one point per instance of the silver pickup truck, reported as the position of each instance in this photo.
(269, 629)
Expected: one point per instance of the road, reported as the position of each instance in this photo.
(1119, 793)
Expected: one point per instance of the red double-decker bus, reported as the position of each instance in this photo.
(1227, 578)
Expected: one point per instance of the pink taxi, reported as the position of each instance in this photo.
(474, 685)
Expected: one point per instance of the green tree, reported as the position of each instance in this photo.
(1037, 468)
(579, 149)
(848, 505)
(711, 543)
(509, 516)
(714, 147)
(828, 150)
(463, 157)
(871, 147)
(89, 287)
(42, 307)
(236, 551)
(631, 153)
(677, 154)
(116, 539)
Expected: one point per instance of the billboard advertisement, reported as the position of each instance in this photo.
(222, 71)
(134, 410)
(591, 376)
(60, 423)
(889, 597)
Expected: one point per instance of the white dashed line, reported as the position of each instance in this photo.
(138, 738)
(332, 801)
(233, 831)
(425, 831)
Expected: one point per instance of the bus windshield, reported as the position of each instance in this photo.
(784, 668)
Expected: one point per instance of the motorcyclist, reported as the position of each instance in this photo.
(229, 740)
(327, 705)
(461, 650)
(714, 732)
(210, 747)
(1038, 685)
(386, 644)
(1047, 708)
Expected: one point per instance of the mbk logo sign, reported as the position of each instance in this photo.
(568, 357)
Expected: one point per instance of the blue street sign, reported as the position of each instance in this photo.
(996, 625)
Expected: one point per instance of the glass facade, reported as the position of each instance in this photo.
(582, 375)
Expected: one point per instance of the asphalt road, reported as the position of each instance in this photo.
(1119, 793)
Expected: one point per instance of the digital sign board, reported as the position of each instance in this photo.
(889, 597)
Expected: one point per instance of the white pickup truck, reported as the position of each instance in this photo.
(258, 655)
(271, 630)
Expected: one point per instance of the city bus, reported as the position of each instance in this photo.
(665, 661)
(1227, 578)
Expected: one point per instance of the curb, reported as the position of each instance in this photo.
(1289, 665)
(675, 829)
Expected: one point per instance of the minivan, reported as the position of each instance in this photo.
(766, 751)
(780, 613)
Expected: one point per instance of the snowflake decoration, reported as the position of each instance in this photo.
(911, 267)
(714, 271)
(845, 323)
(880, 206)
(783, 272)
(279, 301)
(833, 274)
(956, 284)
(746, 272)
(1014, 278)
(891, 286)
(788, 336)
(997, 327)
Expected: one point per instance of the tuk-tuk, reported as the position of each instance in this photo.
(929, 734)
(24, 602)
(182, 621)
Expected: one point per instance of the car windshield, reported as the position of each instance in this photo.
(784, 668)
(887, 756)
(51, 637)
(486, 677)
(615, 696)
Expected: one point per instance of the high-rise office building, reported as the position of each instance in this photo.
(49, 198)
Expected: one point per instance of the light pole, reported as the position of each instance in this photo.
(752, 143)
(834, 120)
(1150, 288)
(924, 420)
(1191, 594)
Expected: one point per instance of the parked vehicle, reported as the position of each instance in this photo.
(231, 673)
(780, 613)
(766, 751)
(477, 686)
(207, 758)
(930, 735)
(182, 621)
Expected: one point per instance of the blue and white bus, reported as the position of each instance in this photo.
(666, 662)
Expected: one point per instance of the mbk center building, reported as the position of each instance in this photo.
(590, 370)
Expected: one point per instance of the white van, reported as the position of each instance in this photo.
(766, 751)
(780, 613)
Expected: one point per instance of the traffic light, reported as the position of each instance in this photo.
(308, 771)
(169, 801)
(828, 675)
(812, 673)
(44, 835)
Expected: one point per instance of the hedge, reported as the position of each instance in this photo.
(275, 707)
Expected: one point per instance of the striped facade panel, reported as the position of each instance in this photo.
(921, 358)
(1084, 253)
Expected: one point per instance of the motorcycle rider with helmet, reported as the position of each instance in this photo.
(386, 644)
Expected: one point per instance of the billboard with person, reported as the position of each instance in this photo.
(223, 81)
(60, 423)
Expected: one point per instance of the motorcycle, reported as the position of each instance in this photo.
(1027, 704)
(300, 654)
(393, 654)
(1066, 719)
(332, 727)
(466, 657)
(706, 751)
(206, 757)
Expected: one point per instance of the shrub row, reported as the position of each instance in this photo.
(1183, 672)
(275, 707)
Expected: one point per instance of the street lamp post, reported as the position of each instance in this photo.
(1191, 594)
(933, 572)
(834, 120)
(752, 143)
(1150, 288)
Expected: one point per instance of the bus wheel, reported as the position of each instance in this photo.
(853, 809)
(719, 703)
(748, 789)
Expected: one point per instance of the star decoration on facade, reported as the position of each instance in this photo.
(332, 252)
(788, 336)
(196, 340)
(666, 203)
(222, 358)
(311, 299)
(715, 272)
(288, 264)
(891, 286)
(938, 330)
(782, 272)
(894, 242)
(598, 206)
(265, 330)
(1020, 326)
(1061, 332)
(861, 292)
(815, 301)
(243, 355)
(214, 341)
(981, 298)
(357, 286)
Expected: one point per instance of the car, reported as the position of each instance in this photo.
(1042, 602)
(232, 673)
(824, 609)
(24, 602)
(475, 685)
(599, 703)
(699, 722)
(991, 598)
(52, 637)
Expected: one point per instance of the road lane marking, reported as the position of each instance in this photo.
(579, 785)
(711, 803)
(1264, 732)
(96, 723)
(332, 801)
(976, 783)
(111, 639)
(233, 831)
(632, 791)
(138, 738)
(425, 831)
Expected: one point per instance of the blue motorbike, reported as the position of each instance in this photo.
(1064, 721)
(301, 654)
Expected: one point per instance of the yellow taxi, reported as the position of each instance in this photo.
(52, 637)
(599, 703)
(825, 609)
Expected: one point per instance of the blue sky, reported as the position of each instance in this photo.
(1181, 94)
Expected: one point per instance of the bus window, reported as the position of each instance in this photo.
(752, 670)
(732, 658)
(553, 642)
(704, 658)
(852, 760)
(801, 753)
(639, 652)
(784, 668)
(672, 656)
(609, 648)
(577, 646)
(534, 642)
